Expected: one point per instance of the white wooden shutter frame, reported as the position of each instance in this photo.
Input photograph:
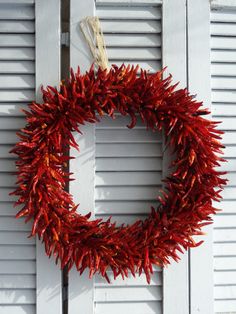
(200, 258)
(175, 280)
(48, 46)
(80, 290)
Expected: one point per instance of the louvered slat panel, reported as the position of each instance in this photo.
(128, 162)
(223, 44)
(17, 83)
(19, 67)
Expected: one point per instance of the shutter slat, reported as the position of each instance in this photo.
(224, 263)
(225, 235)
(4, 151)
(223, 16)
(224, 96)
(17, 95)
(156, 280)
(229, 151)
(129, 150)
(7, 180)
(223, 56)
(126, 193)
(225, 249)
(126, 135)
(226, 306)
(225, 278)
(223, 29)
(23, 12)
(224, 69)
(226, 206)
(129, 26)
(7, 208)
(227, 123)
(228, 221)
(132, 3)
(16, 237)
(134, 53)
(228, 138)
(224, 83)
(17, 40)
(17, 297)
(13, 123)
(15, 109)
(17, 67)
(124, 178)
(124, 12)
(13, 224)
(17, 81)
(133, 40)
(224, 293)
(13, 252)
(124, 207)
(17, 267)
(17, 282)
(18, 27)
(7, 166)
(143, 307)
(128, 294)
(17, 54)
(125, 164)
(223, 42)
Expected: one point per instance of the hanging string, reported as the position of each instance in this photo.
(91, 29)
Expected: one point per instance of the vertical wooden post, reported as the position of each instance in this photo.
(81, 294)
(48, 47)
(174, 55)
(201, 258)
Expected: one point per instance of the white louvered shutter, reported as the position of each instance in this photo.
(17, 83)
(128, 163)
(27, 284)
(119, 171)
(223, 71)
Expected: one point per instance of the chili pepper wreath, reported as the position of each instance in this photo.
(185, 202)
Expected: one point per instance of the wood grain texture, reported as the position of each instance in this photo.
(81, 289)
(201, 258)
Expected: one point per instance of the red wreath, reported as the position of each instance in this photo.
(185, 203)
